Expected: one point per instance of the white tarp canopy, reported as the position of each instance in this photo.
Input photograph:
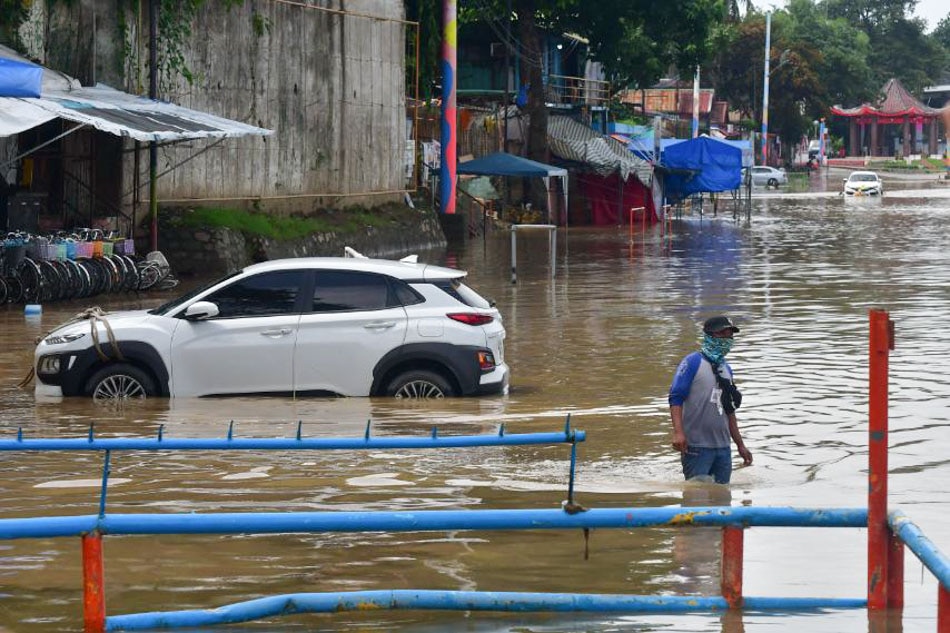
(20, 115)
(118, 113)
(112, 111)
(573, 141)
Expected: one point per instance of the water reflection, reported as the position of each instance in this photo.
(598, 342)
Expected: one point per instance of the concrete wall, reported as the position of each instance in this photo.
(330, 85)
(203, 251)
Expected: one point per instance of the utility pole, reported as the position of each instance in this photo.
(765, 90)
(696, 103)
(508, 83)
(153, 7)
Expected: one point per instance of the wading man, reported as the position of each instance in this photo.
(703, 402)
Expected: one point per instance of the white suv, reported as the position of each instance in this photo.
(348, 326)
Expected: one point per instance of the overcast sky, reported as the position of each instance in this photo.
(932, 11)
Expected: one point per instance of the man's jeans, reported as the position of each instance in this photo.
(706, 463)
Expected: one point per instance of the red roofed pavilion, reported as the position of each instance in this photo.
(897, 107)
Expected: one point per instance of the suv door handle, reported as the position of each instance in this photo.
(284, 331)
(380, 325)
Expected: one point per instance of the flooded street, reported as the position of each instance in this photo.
(598, 341)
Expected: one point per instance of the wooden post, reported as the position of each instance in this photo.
(731, 565)
(93, 590)
(881, 342)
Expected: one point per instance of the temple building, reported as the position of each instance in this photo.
(898, 125)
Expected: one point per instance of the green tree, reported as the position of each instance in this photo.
(815, 61)
(941, 33)
(899, 46)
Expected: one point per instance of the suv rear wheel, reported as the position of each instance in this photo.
(120, 381)
(420, 383)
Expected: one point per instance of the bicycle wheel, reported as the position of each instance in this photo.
(83, 284)
(52, 281)
(131, 274)
(149, 274)
(32, 280)
(14, 289)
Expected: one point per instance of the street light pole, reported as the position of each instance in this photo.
(696, 103)
(765, 90)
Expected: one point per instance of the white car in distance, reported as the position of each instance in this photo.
(764, 176)
(346, 326)
(863, 183)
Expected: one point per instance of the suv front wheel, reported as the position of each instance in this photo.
(120, 381)
(420, 383)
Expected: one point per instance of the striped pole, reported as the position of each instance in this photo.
(765, 90)
(448, 169)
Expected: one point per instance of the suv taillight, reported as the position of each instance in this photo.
(486, 361)
(471, 318)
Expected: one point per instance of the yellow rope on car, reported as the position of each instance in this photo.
(96, 315)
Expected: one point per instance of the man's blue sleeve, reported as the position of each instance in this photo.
(683, 379)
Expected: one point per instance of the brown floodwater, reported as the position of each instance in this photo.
(597, 341)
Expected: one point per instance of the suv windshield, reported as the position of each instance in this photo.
(169, 305)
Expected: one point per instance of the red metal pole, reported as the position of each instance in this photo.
(943, 610)
(895, 572)
(882, 341)
(731, 566)
(93, 595)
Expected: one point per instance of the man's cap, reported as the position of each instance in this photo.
(718, 323)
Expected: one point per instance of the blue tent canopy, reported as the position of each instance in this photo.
(503, 164)
(702, 164)
(20, 79)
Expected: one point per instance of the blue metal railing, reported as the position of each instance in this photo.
(426, 520)
(411, 599)
(732, 519)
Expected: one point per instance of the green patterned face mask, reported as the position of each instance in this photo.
(715, 349)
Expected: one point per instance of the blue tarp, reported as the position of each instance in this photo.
(702, 164)
(20, 79)
(503, 164)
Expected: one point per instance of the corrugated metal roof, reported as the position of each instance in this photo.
(114, 112)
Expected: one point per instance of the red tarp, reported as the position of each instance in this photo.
(603, 194)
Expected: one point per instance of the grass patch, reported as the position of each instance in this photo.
(279, 227)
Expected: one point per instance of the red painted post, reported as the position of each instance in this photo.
(895, 572)
(882, 341)
(943, 610)
(93, 591)
(731, 566)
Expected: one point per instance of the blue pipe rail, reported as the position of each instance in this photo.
(428, 520)
(421, 599)
(162, 443)
(568, 517)
(922, 547)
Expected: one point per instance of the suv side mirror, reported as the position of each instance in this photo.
(201, 310)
